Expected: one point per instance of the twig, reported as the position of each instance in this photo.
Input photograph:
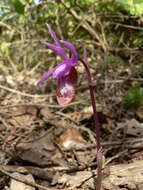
(133, 143)
(114, 157)
(132, 79)
(41, 173)
(67, 116)
(12, 64)
(40, 105)
(23, 93)
(24, 181)
(75, 30)
(116, 16)
(127, 26)
(103, 33)
(5, 25)
(34, 68)
(91, 133)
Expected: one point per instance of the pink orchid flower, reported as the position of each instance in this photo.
(65, 72)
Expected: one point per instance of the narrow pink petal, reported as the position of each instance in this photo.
(65, 92)
(45, 76)
(53, 35)
(59, 71)
(70, 46)
(62, 70)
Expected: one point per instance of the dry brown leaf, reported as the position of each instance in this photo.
(22, 116)
(77, 179)
(71, 138)
(17, 185)
(41, 151)
(132, 127)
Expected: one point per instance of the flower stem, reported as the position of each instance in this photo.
(97, 129)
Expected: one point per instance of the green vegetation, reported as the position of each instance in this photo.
(134, 7)
(134, 97)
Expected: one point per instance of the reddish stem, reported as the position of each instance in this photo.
(97, 129)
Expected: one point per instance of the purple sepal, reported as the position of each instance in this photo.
(57, 49)
(45, 76)
(53, 35)
(74, 57)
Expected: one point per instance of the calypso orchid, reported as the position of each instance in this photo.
(65, 72)
(66, 75)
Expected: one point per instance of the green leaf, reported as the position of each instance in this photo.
(134, 97)
(19, 6)
(103, 161)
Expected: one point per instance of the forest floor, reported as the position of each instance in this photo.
(51, 147)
